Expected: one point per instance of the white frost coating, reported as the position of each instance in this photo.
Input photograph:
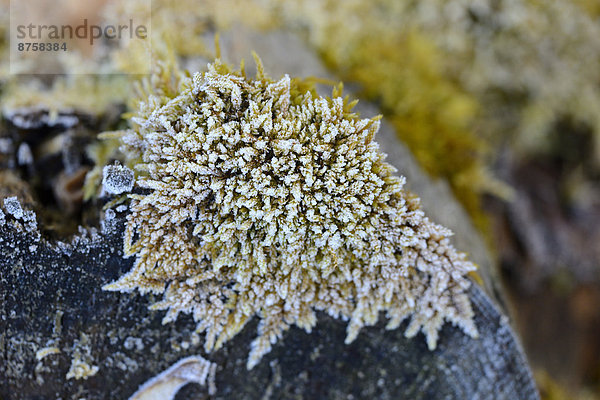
(13, 207)
(117, 179)
(30, 220)
(295, 210)
(20, 118)
(164, 386)
(109, 222)
(109, 214)
(24, 155)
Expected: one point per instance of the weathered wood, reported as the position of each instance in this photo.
(51, 297)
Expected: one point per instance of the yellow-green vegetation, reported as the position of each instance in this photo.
(179, 28)
(462, 73)
(88, 94)
(402, 69)
(262, 198)
(402, 72)
(592, 7)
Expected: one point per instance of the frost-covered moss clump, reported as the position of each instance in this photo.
(263, 199)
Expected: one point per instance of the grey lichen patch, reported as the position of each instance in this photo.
(263, 199)
(13, 207)
(132, 342)
(32, 356)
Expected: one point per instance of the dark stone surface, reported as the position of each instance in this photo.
(129, 345)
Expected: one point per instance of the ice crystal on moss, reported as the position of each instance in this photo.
(13, 207)
(117, 179)
(262, 198)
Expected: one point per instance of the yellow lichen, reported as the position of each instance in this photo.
(81, 361)
(263, 199)
(46, 351)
